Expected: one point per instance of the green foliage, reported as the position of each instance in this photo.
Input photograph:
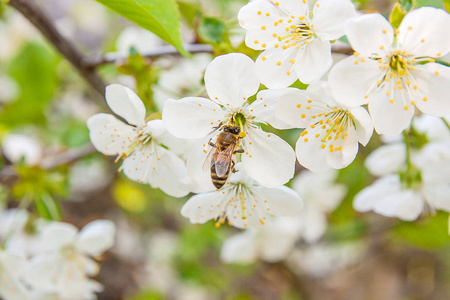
(190, 12)
(161, 17)
(397, 15)
(214, 31)
(142, 70)
(406, 5)
(33, 69)
(446, 5)
(435, 3)
(429, 232)
(40, 186)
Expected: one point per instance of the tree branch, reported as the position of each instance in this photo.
(42, 22)
(155, 52)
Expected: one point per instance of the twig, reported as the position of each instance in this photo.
(155, 52)
(42, 22)
(66, 157)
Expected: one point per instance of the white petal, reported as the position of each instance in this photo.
(387, 159)
(109, 135)
(433, 82)
(17, 146)
(406, 205)
(368, 198)
(292, 7)
(438, 196)
(330, 16)
(260, 27)
(159, 132)
(281, 201)
(311, 155)
(191, 117)
(125, 103)
(195, 169)
(203, 207)
(231, 78)
(42, 270)
(56, 235)
(275, 67)
(314, 61)
(291, 108)
(352, 74)
(315, 226)
(264, 107)
(239, 248)
(348, 146)
(268, 159)
(423, 32)
(370, 34)
(96, 237)
(390, 118)
(363, 123)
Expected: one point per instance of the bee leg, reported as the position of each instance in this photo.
(233, 170)
(218, 126)
(212, 144)
(238, 151)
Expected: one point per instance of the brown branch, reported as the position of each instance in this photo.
(42, 22)
(66, 157)
(153, 53)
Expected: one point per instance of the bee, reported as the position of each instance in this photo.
(221, 155)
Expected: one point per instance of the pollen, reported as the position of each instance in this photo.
(299, 105)
(303, 116)
(274, 35)
(306, 139)
(259, 12)
(381, 47)
(256, 41)
(425, 99)
(263, 45)
(422, 40)
(406, 107)
(267, 14)
(384, 31)
(288, 73)
(199, 104)
(392, 100)
(263, 58)
(279, 63)
(437, 73)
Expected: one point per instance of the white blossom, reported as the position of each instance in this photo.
(139, 143)
(332, 131)
(64, 266)
(17, 147)
(295, 38)
(243, 202)
(230, 80)
(393, 72)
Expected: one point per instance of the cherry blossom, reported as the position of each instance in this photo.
(393, 71)
(295, 38)
(243, 202)
(230, 80)
(332, 131)
(142, 145)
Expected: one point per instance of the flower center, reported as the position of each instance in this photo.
(330, 129)
(142, 137)
(398, 64)
(300, 34)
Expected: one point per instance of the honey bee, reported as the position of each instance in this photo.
(221, 155)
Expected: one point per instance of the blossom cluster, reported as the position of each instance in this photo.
(50, 260)
(219, 147)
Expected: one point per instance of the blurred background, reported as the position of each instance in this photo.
(158, 254)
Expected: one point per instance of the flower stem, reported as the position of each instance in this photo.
(446, 123)
(408, 150)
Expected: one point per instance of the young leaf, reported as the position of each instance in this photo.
(406, 5)
(396, 16)
(161, 17)
(447, 5)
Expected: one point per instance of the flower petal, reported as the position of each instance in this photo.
(314, 61)
(191, 117)
(196, 160)
(109, 135)
(125, 103)
(348, 148)
(330, 16)
(231, 78)
(390, 118)
(438, 196)
(239, 248)
(56, 235)
(268, 159)
(96, 237)
(387, 159)
(275, 67)
(311, 155)
(281, 201)
(352, 74)
(370, 34)
(423, 32)
(204, 207)
(363, 124)
(264, 108)
(433, 83)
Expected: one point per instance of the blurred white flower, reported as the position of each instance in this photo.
(12, 269)
(64, 266)
(243, 202)
(17, 147)
(230, 79)
(10, 89)
(272, 243)
(88, 176)
(407, 192)
(182, 79)
(140, 39)
(393, 72)
(320, 196)
(295, 38)
(15, 31)
(139, 143)
(332, 131)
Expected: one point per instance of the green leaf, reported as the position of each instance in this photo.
(161, 17)
(212, 30)
(447, 5)
(434, 3)
(406, 5)
(396, 16)
(48, 208)
(190, 11)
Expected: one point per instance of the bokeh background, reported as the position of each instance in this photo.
(158, 254)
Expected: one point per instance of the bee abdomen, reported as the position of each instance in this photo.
(218, 181)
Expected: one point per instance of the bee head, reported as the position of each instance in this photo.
(232, 129)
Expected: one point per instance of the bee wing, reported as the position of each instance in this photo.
(223, 161)
(206, 167)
